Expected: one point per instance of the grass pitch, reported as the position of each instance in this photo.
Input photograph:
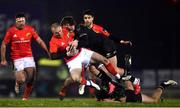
(80, 102)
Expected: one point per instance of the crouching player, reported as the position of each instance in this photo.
(130, 95)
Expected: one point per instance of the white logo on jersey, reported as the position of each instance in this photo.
(15, 35)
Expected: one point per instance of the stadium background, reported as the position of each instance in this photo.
(149, 24)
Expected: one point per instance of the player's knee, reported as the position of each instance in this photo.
(30, 77)
(20, 80)
(105, 61)
(75, 77)
(119, 70)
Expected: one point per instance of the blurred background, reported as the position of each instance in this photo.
(149, 24)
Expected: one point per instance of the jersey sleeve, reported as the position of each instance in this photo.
(34, 34)
(7, 37)
(101, 30)
(53, 47)
(105, 32)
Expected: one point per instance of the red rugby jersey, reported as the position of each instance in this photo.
(20, 41)
(60, 44)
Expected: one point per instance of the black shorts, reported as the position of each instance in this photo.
(108, 48)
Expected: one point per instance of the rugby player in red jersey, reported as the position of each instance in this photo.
(76, 58)
(20, 36)
(63, 35)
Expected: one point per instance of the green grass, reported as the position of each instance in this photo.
(80, 102)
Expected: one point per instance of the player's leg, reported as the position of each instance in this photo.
(102, 74)
(152, 99)
(119, 70)
(66, 83)
(20, 75)
(130, 94)
(30, 70)
(158, 92)
(30, 80)
(109, 66)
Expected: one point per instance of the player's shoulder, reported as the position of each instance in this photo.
(55, 38)
(97, 26)
(29, 27)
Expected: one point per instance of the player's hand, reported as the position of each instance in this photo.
(49, 55)
(71, 50)
(4, 63)
(74, 43)
(126, 42)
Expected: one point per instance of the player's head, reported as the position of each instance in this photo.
(68, 22)
(58, 31)
(20, 20)
(54, 26)
(88, 17)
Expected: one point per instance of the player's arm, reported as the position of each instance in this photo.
(105, 32)
(120, 41)
(55, 54)
(126, 42)
(43, 46)
(3, 54)
(6, 40)
(40, 42)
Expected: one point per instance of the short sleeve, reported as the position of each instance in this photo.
(7, 37)
(34, 34)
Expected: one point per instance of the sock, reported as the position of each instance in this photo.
(111, 88)
(27, 91)
(136, 81)
(162, 86)
(112, 70)
(91, 90)
(83, 81)
(103, 76)
(63, 89)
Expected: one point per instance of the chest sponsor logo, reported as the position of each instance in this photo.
(28, 34)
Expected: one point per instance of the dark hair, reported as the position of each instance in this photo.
(68, 20)
(88, 12)
(55, 24)
(19, 15)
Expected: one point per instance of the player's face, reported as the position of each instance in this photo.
(71, 28)
(88, 20)
(20, 22)
(58, 31)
